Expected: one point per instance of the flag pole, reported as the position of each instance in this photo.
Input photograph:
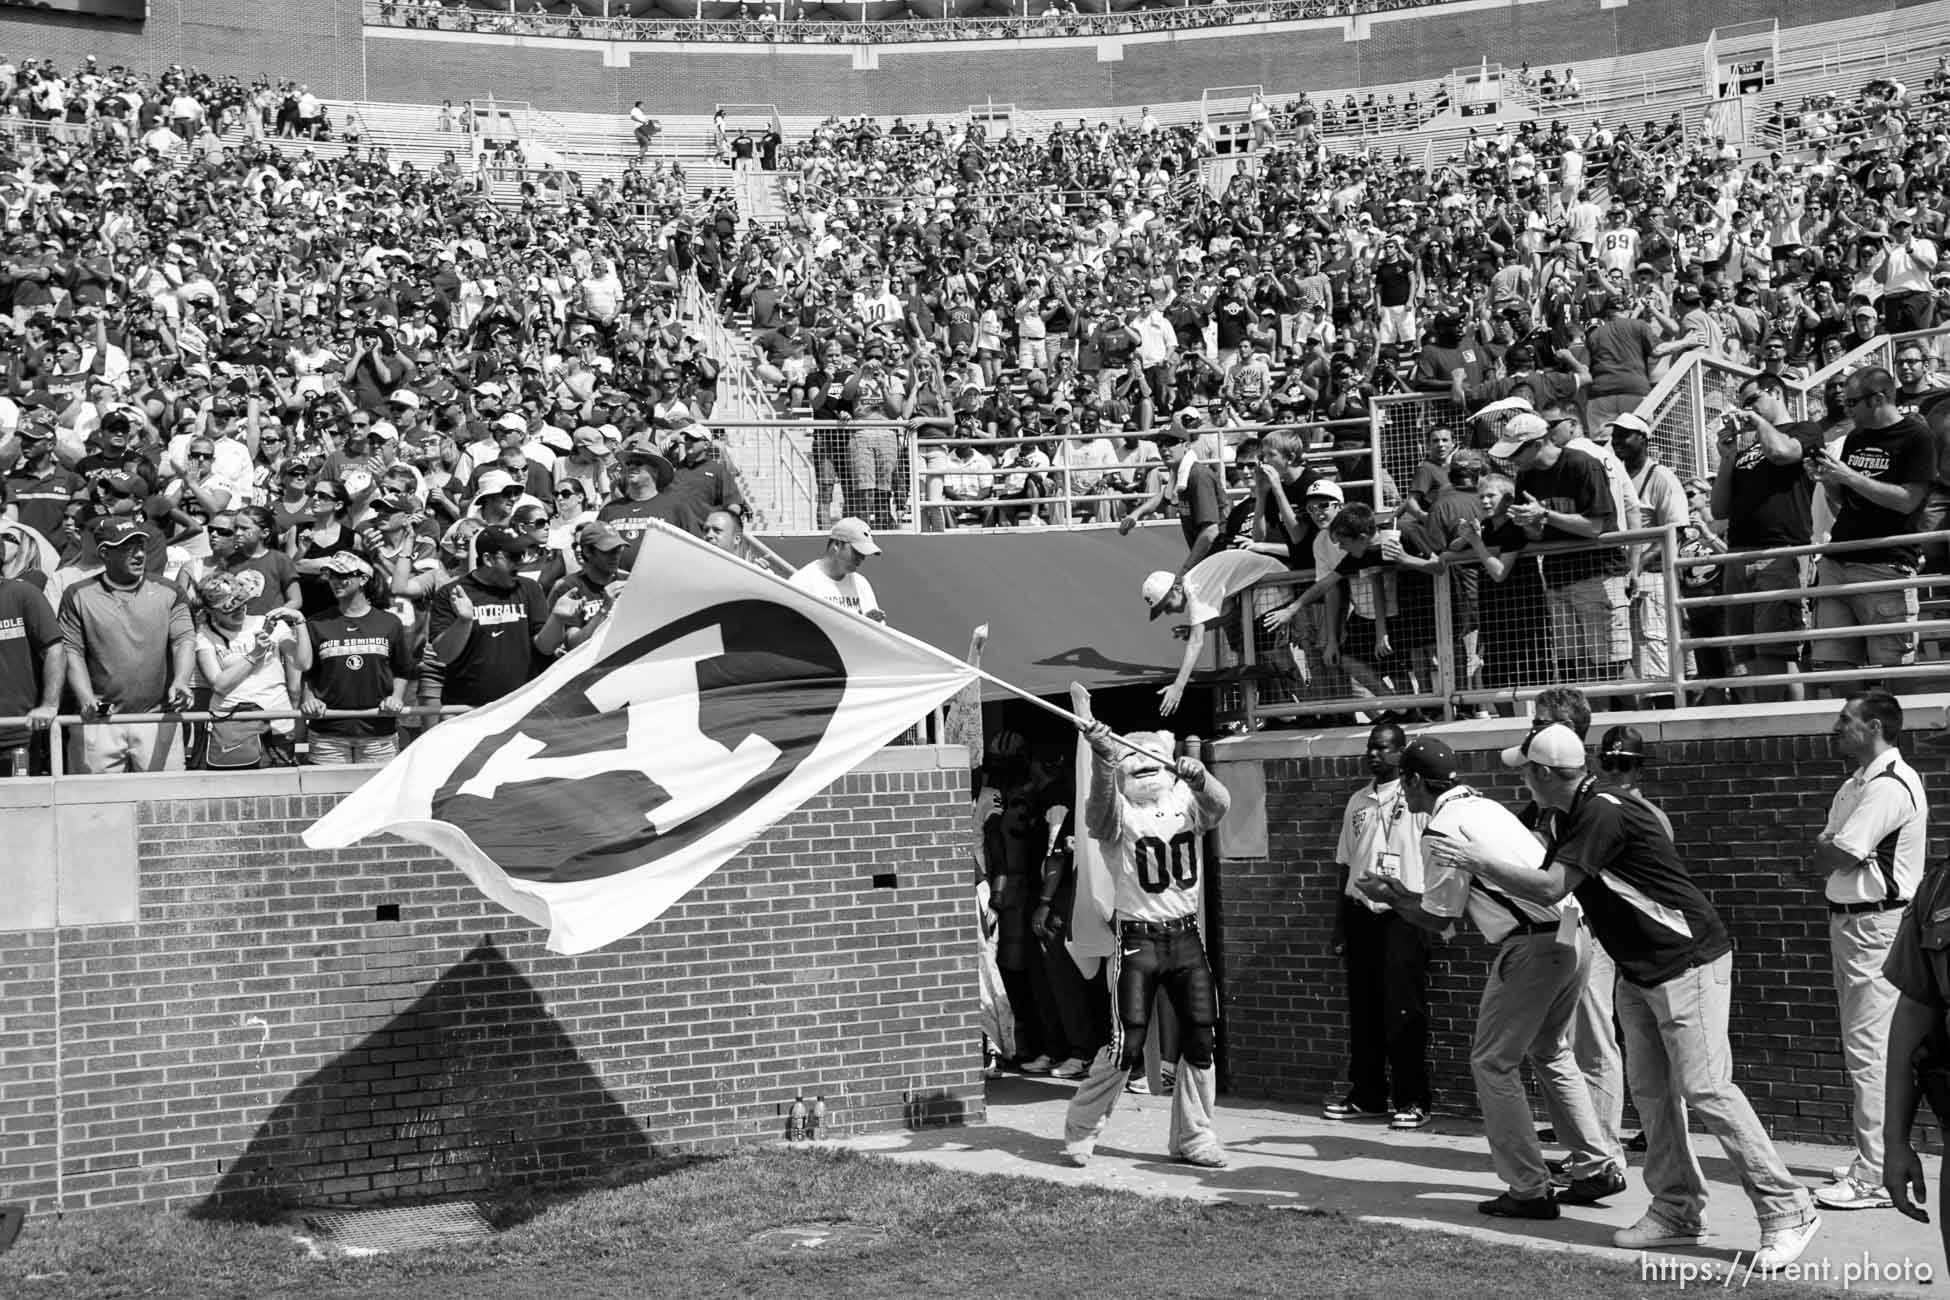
(1076, 720)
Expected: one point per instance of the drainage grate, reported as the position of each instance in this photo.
(819, 1234)
(410, 1227)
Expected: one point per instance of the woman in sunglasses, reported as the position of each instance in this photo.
(245, 662)
(328, 533)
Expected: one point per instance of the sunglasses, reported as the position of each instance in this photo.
(203, 455)
(223, 532)
(567, 492)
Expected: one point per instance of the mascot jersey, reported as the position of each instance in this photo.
(1157, 859)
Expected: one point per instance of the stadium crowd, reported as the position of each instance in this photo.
(799, 23)
(330, 415)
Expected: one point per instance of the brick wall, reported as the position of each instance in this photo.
(1745, 806)
(325, 45)
(252, 1028)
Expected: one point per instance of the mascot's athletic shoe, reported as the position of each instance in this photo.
(1204, 1158)
(1507, 1206)
(1081, 1159)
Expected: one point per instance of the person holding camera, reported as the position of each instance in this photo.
(1874, 485)
(1763, 492)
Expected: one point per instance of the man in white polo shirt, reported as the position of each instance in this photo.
(1536, 979)
(1872, 853)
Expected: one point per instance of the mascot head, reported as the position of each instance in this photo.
(1140, 778)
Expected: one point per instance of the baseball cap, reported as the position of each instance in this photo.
(503, 540)
(512, 422)
(493, 483)
(1624, 742)
(125, 485)
(1326, 487)
(1518, 431)
(855, 533)
(1632, 422)
(589, 436)
(405, 397)
(1431, 759)
(118, 530)
(599, 536)
(1156, 587)
(1553, 746)
(345, 562)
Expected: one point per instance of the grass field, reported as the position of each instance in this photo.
(685, 1230)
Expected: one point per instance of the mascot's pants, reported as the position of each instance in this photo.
(1149, 956)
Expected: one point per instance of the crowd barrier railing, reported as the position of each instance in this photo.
(805, 473)
(1462, 640)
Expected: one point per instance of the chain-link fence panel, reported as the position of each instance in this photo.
(1402, 424)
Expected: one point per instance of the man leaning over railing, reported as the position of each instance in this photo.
(1875, 485)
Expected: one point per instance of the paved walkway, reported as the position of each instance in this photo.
(1288, 1158)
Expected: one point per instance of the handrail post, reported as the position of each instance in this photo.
(1447, 678)
(1248, 660)
(1675, 657)
(56, 744)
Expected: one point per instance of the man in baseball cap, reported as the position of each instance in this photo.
(836, 576)
(1542, 960)
(133, 638)
(1204, 595)
(1519, 431)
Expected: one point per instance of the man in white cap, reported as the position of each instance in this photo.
(836, 575)
(1564, 495)
(1674, 996)
(1202, 596)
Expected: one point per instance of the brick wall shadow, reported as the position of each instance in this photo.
(473, 1088)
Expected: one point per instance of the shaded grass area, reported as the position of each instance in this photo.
(684, 1229)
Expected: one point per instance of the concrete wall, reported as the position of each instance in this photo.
(195, 1009)
(1747, 794)
(324, 43)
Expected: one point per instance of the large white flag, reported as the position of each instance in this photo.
(714, 700)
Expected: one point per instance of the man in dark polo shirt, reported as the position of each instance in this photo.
(1674, 996)
(644, 476)
(1762, 489)
(31, 669)
(39, 487)
(490, 631)
(1875, 486)
(1919, 1046)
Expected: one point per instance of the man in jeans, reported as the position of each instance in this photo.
(1675, 991)
(353, 658)
(1875, 487)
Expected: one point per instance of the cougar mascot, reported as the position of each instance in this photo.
(1148, 816)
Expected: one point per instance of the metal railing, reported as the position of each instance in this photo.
(1470, 650)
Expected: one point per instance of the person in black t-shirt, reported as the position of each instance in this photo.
(1674, 997)
(490, 631)
(1764, 493)
(1563, 495)
(1876, 485)
(353, 657)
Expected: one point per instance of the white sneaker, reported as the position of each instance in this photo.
(1081, 1159)
(1204, 1158)
(1073, 1068)
(1040, 1065)
(1850, 1193)
(1137, 1085)
(1655, 1234)
(1783, 1246)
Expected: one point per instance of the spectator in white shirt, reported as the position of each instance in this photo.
(836, 576)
